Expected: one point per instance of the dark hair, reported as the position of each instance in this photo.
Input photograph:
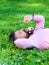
(12, 36)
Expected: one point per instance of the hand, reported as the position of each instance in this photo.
(27, 18)
(20, 45)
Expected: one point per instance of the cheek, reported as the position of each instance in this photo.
(24, 34)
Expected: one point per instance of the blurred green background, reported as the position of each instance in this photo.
(11, 18)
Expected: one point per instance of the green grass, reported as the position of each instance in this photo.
(11, 18)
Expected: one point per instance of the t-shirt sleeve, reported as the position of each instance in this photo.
(39, 19)
(23, 43)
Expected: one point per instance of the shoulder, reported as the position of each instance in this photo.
(39, 29)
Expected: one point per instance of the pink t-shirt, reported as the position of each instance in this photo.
(40, 37)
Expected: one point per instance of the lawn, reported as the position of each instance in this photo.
(11, 18)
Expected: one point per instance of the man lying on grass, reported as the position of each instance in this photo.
(38, 37)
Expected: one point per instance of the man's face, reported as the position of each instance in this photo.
(20, 34)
